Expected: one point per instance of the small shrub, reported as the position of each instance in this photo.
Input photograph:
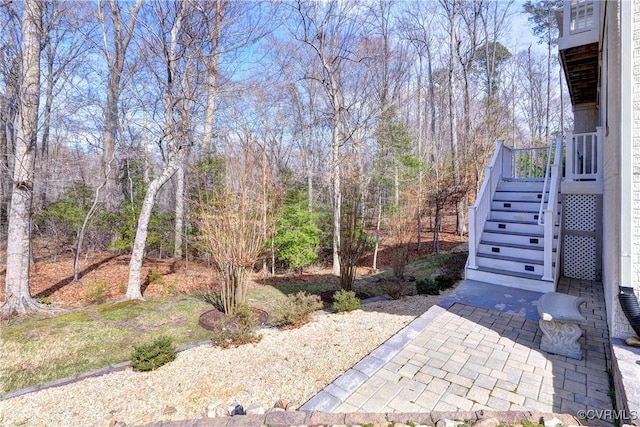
(445, 281)
(43, 300)
(454, 265)
(246, 317)
(345, 301)
(297, 307)
(147, 357)
(237, 329)
(155, 277)
(394, 289)
(427, 286)
(96, 292)
(229, 337)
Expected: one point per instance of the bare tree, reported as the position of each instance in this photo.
(452, 8)
(545, 27)
(173, 140)
(116, 34)
(417, 27)
(62, 46)
(18, 298)
(10, 78)
(329, 31)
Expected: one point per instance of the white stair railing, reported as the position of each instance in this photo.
(500, 167)
(547, 181)
(584, 156)
(550, 215)
(529, 163)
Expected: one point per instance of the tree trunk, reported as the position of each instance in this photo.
(85, 223)
(179, 214)
(374, 267)
(18, 298)
(8, 114)
(174, 163)
(109, 140)
(46, 126)
(420, 158)
(453, 120)
(214, 28)
(337, 190)
(436, 228)
(122, 37)
(233, 291)
(137, 254)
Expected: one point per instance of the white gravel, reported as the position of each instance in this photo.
(286, 364)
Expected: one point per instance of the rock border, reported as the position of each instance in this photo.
(396, 419)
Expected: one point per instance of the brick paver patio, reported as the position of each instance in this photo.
(471, 358)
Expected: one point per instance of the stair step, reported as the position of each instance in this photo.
(520, 186)
(514, 215)
(516, 206)
(529, 253)
(519, 260)
(517, 265)
(515, 238)
(531, 282)
(511, 205)
(511, 273)
(512, 245)
(517, 234)
(521, 196)
(514, 226)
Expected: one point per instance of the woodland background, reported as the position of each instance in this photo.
(248, 135)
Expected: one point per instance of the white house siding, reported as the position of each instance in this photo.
(619, 185)
(635, 120)
(622, 166)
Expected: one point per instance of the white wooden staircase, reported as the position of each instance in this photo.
(514, 224)
(510, 251)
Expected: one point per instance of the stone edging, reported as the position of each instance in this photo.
(329, 398)
(430, 419)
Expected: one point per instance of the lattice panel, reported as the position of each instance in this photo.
(580, 212)
(580, 257)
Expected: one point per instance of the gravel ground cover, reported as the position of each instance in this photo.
(291, 365)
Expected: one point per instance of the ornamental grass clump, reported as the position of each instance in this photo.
(150, 356)
(345, 301)
(296, 309)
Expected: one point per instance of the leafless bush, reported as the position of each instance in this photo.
(402, 225)
(234, 221)
(354, 241)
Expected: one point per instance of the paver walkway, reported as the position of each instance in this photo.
(471, 358)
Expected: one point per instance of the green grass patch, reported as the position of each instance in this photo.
(41, 348)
